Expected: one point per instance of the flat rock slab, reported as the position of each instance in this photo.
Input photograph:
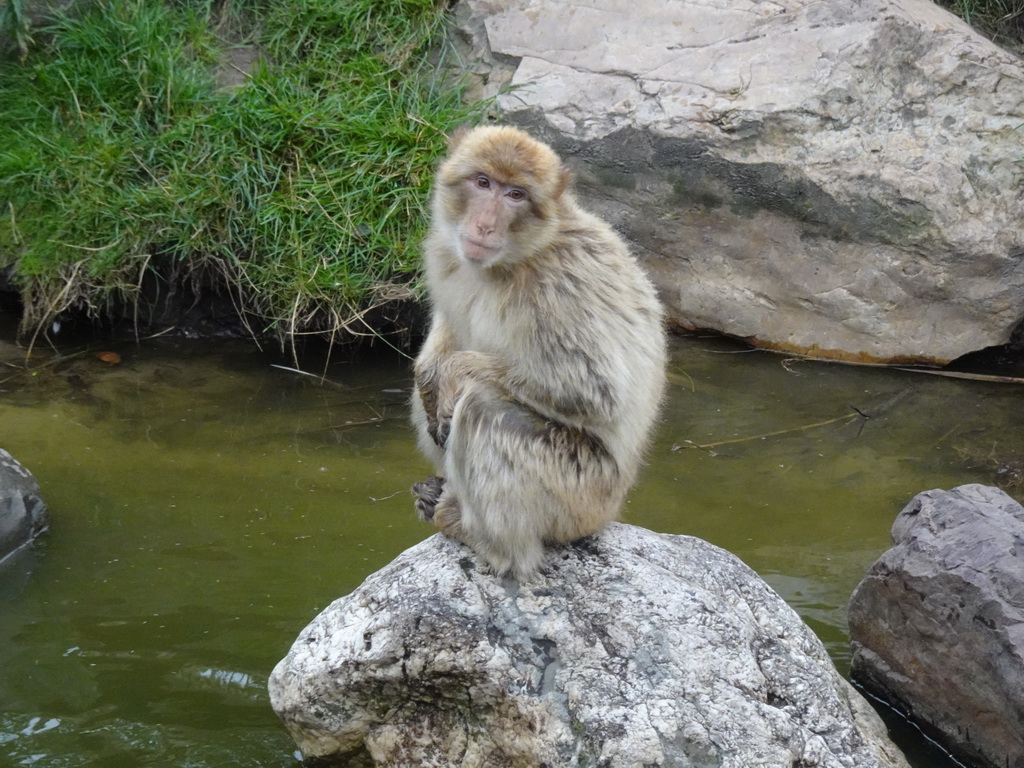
(630, 649)
(832, 178)
(937, 625)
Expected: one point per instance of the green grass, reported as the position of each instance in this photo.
(1000, 20)
(301, 192)
(15, 25)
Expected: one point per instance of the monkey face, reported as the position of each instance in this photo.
(498, 195)
(493, 215)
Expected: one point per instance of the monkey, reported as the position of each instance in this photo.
(541, 377)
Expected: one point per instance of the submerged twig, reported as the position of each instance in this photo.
(676, 377)
(776, 433)
(55, 360)
(969, 376)
(322, 379)
(159, 333)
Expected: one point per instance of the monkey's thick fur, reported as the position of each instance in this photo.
(540, 380)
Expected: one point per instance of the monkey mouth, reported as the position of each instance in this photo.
(478, 252)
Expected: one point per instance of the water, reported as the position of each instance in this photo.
(206, 505)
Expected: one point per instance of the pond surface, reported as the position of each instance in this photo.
(206, 505)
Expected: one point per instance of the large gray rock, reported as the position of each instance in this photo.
(937, 625)
(23, 514)
(829, 177)
(631, 649)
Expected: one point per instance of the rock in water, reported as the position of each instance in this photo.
(630, 649)
(937, 625)
(23, 514)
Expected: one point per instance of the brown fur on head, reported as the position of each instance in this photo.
(511, 156)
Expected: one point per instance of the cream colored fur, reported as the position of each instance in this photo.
(543, 371)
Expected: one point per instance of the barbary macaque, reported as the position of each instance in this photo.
(540, 380)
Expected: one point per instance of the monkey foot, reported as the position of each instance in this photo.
(427, 495)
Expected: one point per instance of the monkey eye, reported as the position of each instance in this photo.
(482, 181)
(517, 194)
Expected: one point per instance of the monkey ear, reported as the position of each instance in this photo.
(565, 180)
(456, 137)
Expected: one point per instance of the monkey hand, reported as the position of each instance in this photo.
(440, 426)
(461, 369)
(439, 400)
(427, 391)
(433, 505)
(440, 431)
(428, 493)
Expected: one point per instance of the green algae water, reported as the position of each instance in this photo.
(206, 503)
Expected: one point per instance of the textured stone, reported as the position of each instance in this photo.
(630, 649)
(23, 514)
(835, 178)
(937, 625)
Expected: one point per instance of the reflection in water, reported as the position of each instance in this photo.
(228, 678)
(206, 505)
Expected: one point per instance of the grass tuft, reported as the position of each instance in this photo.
(1000, 20)
(301, 191)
